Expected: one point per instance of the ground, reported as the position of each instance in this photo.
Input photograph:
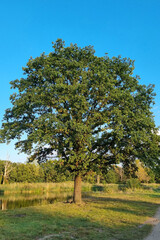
(111, 216)
(155, 234)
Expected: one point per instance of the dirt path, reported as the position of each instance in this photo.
(155, 234)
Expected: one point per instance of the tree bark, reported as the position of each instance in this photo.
(77, 198)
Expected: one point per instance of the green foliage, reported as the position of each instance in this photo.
(26, 173)
(120, 174)
(90, 177)
(2, 166)
(151, 175)
(157, 176)
(133, 183)
(2, 163)
(91, 110)
(111, 176)
(51, 172)
(141, 172)
(110, 188)
(97, 188)
(31, 173)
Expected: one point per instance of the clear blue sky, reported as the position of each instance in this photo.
(130, 28)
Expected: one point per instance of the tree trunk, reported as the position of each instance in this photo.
(77, 198)
(4, 204)
(98, 179)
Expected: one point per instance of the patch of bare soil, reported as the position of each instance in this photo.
(47, 237)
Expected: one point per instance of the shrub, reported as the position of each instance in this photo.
(111, 176)
(133, 183)
(109, 188)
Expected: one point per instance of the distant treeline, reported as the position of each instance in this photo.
(49, 172)
(30, 172)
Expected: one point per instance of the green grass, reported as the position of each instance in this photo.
(41, 187)
(66, 186)
(107, 216)
(36, 187)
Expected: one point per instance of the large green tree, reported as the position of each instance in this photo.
(91, 110)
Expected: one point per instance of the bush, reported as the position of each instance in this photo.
(97, 188)
(110, 188)
(111, 177)
(133, 183)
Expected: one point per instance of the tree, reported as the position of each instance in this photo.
(7, 170)
(111, 176)
(28, 172)
(89, 109)
(141, 172)
(13, 174)
(2, 163)
(50, 173)
(120, 173)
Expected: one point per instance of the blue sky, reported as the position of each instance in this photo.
(130, 28)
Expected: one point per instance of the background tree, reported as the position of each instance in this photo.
(7, 169)
(2, 163)
(13, 174)
(111, 176)
(89, 109)
(141, 172)
(53, 173)
(151, 175)
(120, 173)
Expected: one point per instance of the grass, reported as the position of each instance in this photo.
(65, 186)
(36, 187)
(107, 216)
(41, 187)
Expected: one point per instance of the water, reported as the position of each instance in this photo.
(11, 201)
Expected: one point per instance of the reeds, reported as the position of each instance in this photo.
(37, 187)
(42, 187)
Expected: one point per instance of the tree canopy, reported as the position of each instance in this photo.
(91, 110)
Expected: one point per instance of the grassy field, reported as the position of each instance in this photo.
(108, 216)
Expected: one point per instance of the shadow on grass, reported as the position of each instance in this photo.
(108, 188)
(117, 199)
(125, 206)
(1, 192)
(69, 221)
(153, 196)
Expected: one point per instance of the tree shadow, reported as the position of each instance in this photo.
(117, 199)
(125, 206)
